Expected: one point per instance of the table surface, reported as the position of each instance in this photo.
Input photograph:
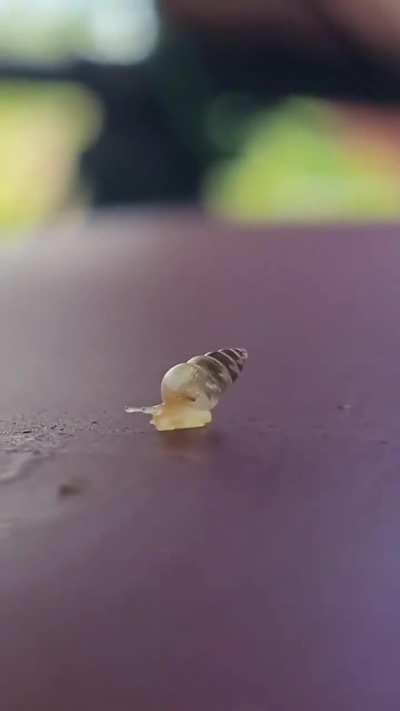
(250, 566)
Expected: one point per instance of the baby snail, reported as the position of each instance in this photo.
(189, 391)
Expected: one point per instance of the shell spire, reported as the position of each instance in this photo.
(190, 390)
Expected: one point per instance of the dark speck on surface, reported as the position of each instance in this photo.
(70, 488)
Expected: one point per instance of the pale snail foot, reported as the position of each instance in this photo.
(167, 418)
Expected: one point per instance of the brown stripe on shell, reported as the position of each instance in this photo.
(226, 361)
(241, 352)
(236, 355)
(214, 368)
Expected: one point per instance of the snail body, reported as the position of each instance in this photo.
(190, 390)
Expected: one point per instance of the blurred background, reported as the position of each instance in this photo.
(255, 112)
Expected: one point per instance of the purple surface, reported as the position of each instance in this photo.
(251, 566)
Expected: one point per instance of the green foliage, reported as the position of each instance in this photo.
(43, 129)
(294, 167)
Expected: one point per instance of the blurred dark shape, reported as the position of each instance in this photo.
(155, 146)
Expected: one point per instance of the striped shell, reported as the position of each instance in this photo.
(220, 368)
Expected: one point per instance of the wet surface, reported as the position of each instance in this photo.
(250, 565)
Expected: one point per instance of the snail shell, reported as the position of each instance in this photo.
(189, 391)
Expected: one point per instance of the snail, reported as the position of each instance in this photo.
(189, 391)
